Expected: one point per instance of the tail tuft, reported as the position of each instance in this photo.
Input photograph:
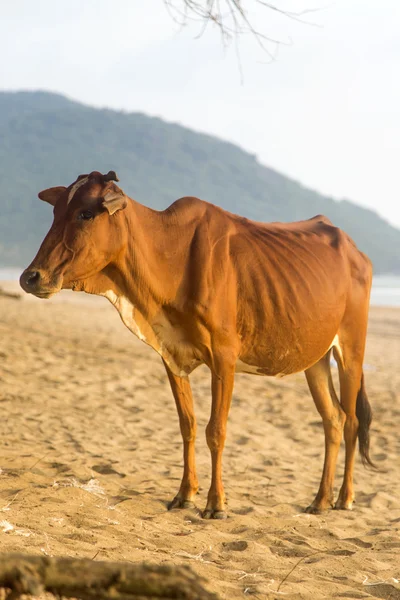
(364, 416)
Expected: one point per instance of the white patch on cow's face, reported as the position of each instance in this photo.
(125, 309)
(76, 187)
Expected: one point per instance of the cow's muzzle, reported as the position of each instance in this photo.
(34, 282)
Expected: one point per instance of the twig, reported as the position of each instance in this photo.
(7, 506)
(380, 582)
(298, 562)
(39, 460)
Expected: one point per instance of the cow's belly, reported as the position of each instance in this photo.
(277, 358)
(286, 362)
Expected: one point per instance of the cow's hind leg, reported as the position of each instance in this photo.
(355, 403)
(184, 403)
(321, 387)
(349, 354)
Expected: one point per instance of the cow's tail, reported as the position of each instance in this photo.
(364, 416)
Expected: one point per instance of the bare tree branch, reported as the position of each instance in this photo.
(232, 19)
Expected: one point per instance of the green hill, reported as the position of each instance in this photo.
(46, 139)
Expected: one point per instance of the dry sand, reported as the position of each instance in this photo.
(91, 454)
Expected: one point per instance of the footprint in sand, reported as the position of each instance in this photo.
(358, 542)
(107, 470)
(237, 546)
(243, 440)
(243, 511)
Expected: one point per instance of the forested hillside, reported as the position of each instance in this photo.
(46, 139)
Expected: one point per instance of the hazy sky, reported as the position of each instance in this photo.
(326, 111)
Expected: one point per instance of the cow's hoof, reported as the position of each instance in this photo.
(215, 514)
(344, 506)
(314, 510)
(180, 503)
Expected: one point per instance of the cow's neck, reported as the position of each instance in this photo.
(149, 269)
(146, 278)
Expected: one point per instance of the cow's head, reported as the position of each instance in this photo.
(84, 238)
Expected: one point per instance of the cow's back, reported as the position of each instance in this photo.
(282, 286)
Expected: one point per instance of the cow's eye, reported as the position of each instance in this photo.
(85, 215)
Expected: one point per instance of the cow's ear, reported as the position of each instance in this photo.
(114, 200)
(51, 195)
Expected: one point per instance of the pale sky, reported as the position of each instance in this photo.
(325, 112)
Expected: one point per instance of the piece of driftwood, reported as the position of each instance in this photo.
(14, 295)
(97, 580)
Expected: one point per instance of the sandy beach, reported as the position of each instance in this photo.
(91, 453)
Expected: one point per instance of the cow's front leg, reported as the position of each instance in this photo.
(222, 387)
(184, 403)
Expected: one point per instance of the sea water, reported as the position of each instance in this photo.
(385, 288)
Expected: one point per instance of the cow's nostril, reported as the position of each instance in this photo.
(32, 278)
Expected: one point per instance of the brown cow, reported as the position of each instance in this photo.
(203, 286)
